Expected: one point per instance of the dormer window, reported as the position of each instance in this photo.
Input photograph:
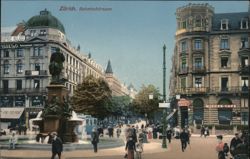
(32, 32)
(224, 24)
(42, 32)
(198, 21)
(244, 23)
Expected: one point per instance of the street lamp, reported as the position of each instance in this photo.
(164, 142)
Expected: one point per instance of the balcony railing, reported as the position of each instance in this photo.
(199, 69)
(244, 69)
(183, 70)
(36, 73)
(22, 91)
(215, 90)
(191, 90)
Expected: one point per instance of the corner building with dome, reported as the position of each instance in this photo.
(24, 71)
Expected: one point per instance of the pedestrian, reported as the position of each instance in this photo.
(134, 136)
(220, 147)
(57, 145)
(118, 132)
(184, 139)
(202, 130)
(94, 139)
(130, 148)
(206, 132)
(169, 135)
(12, 141)
(110, 131)
(234, 143)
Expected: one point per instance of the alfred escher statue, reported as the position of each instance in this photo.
(56, 66)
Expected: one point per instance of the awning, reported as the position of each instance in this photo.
(184, 102)
(221, 106)
(11, 113)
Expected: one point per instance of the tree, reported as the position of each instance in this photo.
(120, 105)
(92, 97)
(143, 104)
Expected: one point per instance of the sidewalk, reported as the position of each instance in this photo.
(149, 148)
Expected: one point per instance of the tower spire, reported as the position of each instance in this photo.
(109, 68)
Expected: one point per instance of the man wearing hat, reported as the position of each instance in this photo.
(234, 142)
(219, 147)
(57, 145)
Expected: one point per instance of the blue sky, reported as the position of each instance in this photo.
(131, 35)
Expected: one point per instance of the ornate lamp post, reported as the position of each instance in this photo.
(164, 142)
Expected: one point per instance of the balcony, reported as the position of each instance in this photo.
(199, 69)
(183, 71)
(183, 53)
(23, 91)
(192, 90)
(244, 69)
(213, 90)
(36, 73)
(228, 90)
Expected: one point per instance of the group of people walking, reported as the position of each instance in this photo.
(238, 147)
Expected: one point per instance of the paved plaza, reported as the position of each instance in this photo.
(200, 148)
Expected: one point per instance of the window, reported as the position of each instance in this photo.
(32, 32)
(5, 85)
(19, 52)
(37, 67)
(224, 84)
(184, 25)
(244, 61)
(224, 24)
(37, 51)
(198, 62)
(198, 82)
(53, 50)
(6, 53)
(19, 67)
(36, 84)
(244, 23)
(183, 82)
(19, 84)
(42, 32)
(244, 83)
(244, 42)
(183, 63)
(197, 44)
(224, 62)
(183, 46)
(6, 67)
(198, 21)
(224, 115)
(224, 44)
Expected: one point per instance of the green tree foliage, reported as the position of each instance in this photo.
(92, 97)
(143, 104)
(120, 105)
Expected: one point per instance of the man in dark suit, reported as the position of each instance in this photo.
(57, 145)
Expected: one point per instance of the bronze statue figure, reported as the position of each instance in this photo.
(56, 66)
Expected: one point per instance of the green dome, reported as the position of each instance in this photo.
(45, 19)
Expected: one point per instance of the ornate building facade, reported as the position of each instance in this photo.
(24, 60)
(211, 66)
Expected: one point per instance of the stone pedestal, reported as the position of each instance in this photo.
(51, 124)
(59, 91)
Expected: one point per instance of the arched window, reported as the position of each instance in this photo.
(6, 67)
(198, 110)
(225, 114)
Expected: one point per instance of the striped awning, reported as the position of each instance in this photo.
(221, 106)
(184, 102)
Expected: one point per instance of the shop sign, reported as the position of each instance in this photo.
(19, 100)
(6, 101)
(37, 100)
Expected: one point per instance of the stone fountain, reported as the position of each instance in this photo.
(57, 113)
